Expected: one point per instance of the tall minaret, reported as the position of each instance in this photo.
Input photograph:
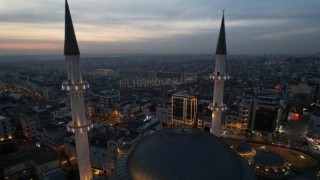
(219, 76)
(75, 86)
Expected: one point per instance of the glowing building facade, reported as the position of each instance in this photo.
(219, 76)
(75, 86)
(184, 109)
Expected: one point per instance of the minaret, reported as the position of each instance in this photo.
(75, 86)
(219, 76)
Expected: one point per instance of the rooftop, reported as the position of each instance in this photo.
(38, 156)
(3, 118)
(101, 139)
(316, 113)
(53, 127)
(183, 94)
(129, 139)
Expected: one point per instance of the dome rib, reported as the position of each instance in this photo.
(195, 154)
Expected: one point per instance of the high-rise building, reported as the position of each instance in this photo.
(305, 94)
(109, 98)
(51, 135)
(29, 123)
(184, 109)
(99, 153)
(245, 112)
(265, 115)
(75, 86)
(5, 128)
(219, 76)
(314, 124)
(239, 120)
(231, 122)
(307, 89)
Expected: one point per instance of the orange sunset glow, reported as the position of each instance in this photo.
(29, 46)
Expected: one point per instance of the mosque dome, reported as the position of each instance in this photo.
(269, 164)
(268, 158)
(175, 153)
(244, 149)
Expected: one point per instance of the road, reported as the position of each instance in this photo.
(296, 129)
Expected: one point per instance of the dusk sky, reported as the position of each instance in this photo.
(164, 26)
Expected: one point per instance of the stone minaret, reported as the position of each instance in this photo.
(75, 86)
(219, 76)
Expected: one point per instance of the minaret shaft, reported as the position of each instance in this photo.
(73, 67)
(218, 92)
(79, 118)
(216, 123)
(75, 86)
(220, 64)
(218, 95)
(219, 76)
(77, 108)
(83, 155)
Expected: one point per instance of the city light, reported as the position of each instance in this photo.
(219, 77)
(217, 108)
(146, 118)
(270, 105)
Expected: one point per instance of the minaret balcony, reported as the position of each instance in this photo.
(214, 107)
(219, 77)
(68, 86)
(85, 128)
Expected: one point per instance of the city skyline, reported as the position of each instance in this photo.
(158, 106)
(169, 27)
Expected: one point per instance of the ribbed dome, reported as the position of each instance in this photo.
(172, 153)
(243, 147)
(268, 158)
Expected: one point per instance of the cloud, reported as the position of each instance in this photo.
(28, 46)
(288, 33)
(147, 23)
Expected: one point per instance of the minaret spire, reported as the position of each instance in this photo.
(76, 86)
(219, 76)
(221, 46)
(70, 41)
